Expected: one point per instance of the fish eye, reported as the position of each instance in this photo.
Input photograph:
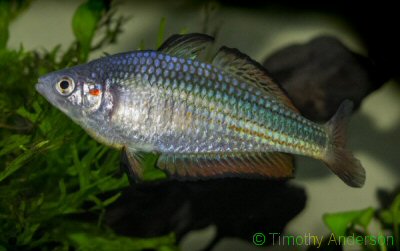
(65, 86)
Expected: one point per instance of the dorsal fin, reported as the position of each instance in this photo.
(187, 46)
(244, 68)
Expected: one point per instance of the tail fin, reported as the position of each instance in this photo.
(338, 159)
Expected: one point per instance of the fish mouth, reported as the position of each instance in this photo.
(40, 88)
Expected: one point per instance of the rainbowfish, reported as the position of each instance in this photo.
(215, 117)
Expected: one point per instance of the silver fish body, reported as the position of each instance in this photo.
(192, 111)
(166, 104)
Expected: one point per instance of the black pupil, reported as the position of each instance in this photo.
(64, 84)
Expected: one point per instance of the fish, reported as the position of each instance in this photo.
(205, 114)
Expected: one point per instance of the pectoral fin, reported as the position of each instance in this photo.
(140, 166)
(271, 164)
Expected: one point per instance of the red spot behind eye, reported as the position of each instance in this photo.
(95, 92)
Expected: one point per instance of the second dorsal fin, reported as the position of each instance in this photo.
(187, 46)
(244, 68)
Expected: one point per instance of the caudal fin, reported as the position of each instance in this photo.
(340, 160)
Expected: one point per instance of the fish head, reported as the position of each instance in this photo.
(75, 91)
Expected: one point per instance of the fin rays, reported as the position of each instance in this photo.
(244, 68)
(340, 160)
(277, 165)
(187, 46)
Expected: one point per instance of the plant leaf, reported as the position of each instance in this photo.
(86, 237)
(4, 21)
(85, 22)
(150, 171)
(338, 223)
(365, 217)
(161, 32)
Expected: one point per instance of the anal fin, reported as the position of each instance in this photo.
(204, 165)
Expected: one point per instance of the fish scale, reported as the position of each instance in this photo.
(161, 68)
(204, 117)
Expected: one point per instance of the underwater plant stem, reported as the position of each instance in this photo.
(396, 216)
(373, 247)
(4, 18)
(100, 220)
(161, 31)
(382, 247)
(22, 128)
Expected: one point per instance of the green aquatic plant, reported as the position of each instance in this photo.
(50, 169)
(356, 225)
